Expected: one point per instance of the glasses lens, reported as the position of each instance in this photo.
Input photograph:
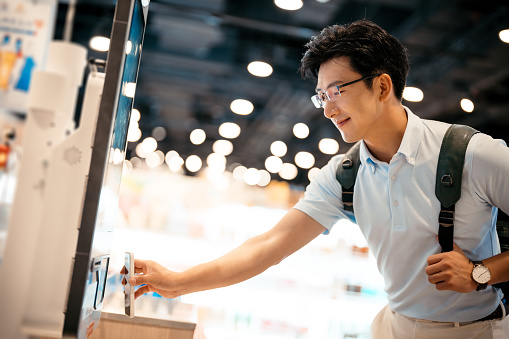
(317, 100)
(333, 93)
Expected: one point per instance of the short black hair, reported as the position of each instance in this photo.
(371, 50)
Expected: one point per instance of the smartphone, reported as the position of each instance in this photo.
(128, 289)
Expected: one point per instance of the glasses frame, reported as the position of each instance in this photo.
(319, 99)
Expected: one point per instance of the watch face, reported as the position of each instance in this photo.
(481, 274)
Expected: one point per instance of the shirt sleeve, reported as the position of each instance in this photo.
(322, 199)
(490, 171)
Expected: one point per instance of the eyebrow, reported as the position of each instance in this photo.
(334, 83)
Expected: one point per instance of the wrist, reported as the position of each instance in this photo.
(481, 275)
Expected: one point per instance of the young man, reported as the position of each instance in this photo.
(361, 71)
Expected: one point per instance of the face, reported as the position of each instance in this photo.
(357, 111)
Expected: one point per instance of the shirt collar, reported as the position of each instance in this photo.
(412, 138)
(409, 144)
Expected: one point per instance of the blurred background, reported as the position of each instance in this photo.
(223, 140)
(196, 57)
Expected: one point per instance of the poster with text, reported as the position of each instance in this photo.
(26, 28)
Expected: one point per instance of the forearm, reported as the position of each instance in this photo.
(499, 267)
(254, 256)
(246, 261)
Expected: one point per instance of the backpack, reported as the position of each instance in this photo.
(447, 186)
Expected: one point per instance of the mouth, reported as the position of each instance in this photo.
(341, 122)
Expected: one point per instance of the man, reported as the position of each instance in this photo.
(361, 72)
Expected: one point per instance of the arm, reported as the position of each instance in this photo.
(254, 256)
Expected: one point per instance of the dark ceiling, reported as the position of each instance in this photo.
(196, 52)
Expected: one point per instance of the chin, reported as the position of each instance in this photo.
(348, 138)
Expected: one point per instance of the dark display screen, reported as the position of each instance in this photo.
(87, 288)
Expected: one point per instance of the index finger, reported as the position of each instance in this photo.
(435, 258)
(140, 266)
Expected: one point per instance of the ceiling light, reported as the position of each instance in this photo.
(252, 176)
(99, 43)
(301, 130)
(312, 172)
(224, 147)
(413, 94)
(229, 130)
(193, 163)
(264, 178)
(467, 105)
(197, 136)
(289, 5)
(140, 152)
(216, 162)
(328, 146)
(135, 115)
(304, 160)
(170, 155)
(133, 133)
(322, 1)
(288, 171)
(155, 159)
(278, 148)
(159, 133)
(241, 106)
(259, 69)
(149, 145)
(136, 162)
(238, 172)
(273, 164)
(175, 163)
(504, 35)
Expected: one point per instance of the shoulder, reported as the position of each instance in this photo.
(328, 172)
(484, 149)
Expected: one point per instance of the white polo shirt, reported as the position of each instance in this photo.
(397, 211)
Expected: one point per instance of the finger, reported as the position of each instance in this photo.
(139, 263)
(437, 278)
(141, 291)
(138, 270)
(442, 286)
(435, 258)
(140, 280)
(433, 269)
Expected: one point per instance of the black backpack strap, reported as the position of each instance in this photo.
(346, 174)
(448, 180)
(503, 230)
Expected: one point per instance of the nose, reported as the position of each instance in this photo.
(329, 109)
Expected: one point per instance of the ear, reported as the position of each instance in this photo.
(385, 87)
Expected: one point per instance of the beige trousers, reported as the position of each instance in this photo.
(391, 325)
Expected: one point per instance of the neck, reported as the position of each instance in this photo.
(388, 133)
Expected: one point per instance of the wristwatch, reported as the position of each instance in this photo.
(481, 275)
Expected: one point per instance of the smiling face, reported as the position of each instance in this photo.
(358, 112)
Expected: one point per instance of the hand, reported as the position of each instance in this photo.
(451, 271)
(154, 277)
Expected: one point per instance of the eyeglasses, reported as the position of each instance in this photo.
(333, 93)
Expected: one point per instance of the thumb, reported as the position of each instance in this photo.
(456, 248)
(139, 280)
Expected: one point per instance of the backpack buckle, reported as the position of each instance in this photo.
(446, 180)
(347, 163)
